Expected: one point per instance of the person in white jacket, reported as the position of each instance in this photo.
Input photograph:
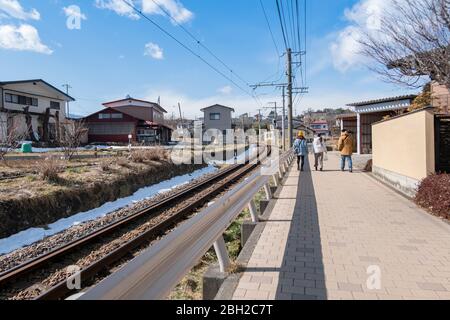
(319, 150)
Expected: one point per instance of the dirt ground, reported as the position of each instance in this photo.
(28, 199)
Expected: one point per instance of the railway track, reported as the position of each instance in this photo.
(160, 217)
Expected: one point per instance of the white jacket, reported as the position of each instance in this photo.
(318, 146)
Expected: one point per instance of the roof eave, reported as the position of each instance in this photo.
(39, 80)
(370, 102)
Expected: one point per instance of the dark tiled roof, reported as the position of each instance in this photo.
(366, 103)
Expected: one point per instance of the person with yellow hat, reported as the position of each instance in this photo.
(301, 150)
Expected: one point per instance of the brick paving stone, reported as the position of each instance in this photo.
(329, 230)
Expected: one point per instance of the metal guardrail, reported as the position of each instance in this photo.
(153, 274)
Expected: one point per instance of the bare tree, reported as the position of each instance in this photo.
(71, 138)
(11, 136)
(411, 41)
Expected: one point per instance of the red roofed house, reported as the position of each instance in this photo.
(143, 120)
(320, 127)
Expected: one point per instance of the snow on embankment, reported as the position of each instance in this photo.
(33, 235)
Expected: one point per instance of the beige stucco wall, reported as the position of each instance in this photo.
(405, 145)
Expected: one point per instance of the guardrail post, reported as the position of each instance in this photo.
(276, 180)
(268, 191)
(222, 254)
(253, 212)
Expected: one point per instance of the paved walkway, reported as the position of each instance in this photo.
(335, 235)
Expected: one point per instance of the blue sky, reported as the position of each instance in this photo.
(113, 54)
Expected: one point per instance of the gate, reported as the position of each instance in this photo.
(442, 138)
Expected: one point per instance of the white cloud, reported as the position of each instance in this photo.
(346, 49)
(13, 9)
(364, 17)
(174, 7)
(23, 38)
(225, 90)
(74, 11)
(119, 7)
(154, 51)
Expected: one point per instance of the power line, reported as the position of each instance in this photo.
(282, 26)
(305, 26)
(270, 29)
(199, 42)
(292, 22)
(285, 24)
(139, 12)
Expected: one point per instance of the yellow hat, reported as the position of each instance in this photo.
(301, 134)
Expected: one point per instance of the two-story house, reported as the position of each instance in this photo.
(320, 127)
(33, 107)
(142, 120)
(217, 117)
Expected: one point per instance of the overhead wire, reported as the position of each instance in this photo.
(187, 48)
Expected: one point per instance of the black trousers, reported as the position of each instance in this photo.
(300, 162)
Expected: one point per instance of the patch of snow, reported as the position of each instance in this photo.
(33, 235)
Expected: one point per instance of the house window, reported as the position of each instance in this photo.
(27, 101)
(104, 116)
(22, 100)
(55, 105)
(116, 115)
(214, 116)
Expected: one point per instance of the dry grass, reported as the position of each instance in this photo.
(50, 168)
(74, 173)
(143, 155)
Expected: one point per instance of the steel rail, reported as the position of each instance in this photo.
(155, 272)
(41, 260)
(61, 289)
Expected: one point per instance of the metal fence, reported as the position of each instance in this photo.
(153, 274)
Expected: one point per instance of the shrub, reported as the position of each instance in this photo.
(105, 166)
(368, 166)
(49, 168)
(434, 194)
(157, 154)
(122, 162)
(154, 154)
(138, 156)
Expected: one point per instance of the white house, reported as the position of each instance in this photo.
(34, 107)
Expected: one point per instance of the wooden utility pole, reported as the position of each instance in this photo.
(283, 122)
(289, 88)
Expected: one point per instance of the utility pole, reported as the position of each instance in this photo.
(259, 120)
(283, 124)
(67, 86)
(181, 115)
(290, 91)
(276, 113)
(289, 87)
